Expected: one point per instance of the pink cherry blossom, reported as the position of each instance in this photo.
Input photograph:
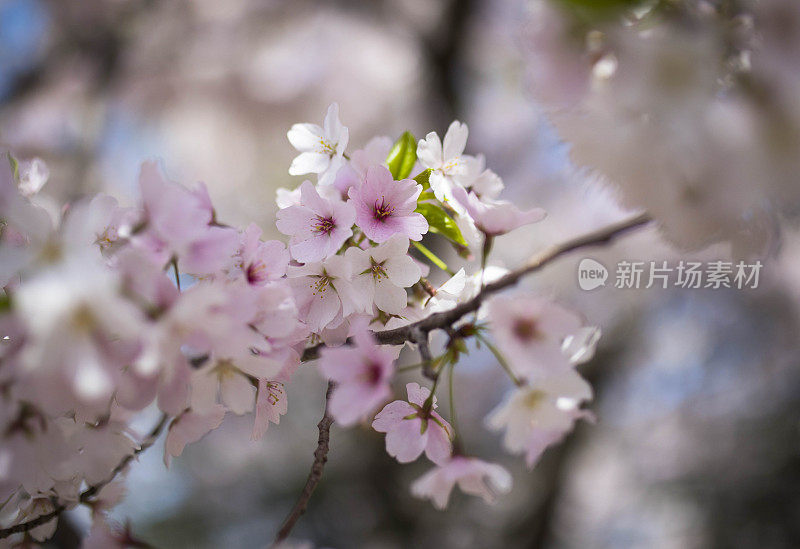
(531, 331)
(382, 274)
(318, 226)
(474, 476)
(354, 171)
(324, 293)
(190, 427)
(538, 415)
(410, 430)
(261, 261)
(361, 372)
(385, 207)
(271, 404)
(179, 223)
(495, 218)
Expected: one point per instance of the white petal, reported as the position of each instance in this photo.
(309, 162)
(455, 140)
(429, 151)
(305, 137)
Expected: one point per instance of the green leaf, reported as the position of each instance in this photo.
(424, 179)
(5, 302)
(403, 156)
(14, 165)
(441, 223)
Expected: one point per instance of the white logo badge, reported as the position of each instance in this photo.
(591, 274)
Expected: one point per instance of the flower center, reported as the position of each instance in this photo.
(534, 398)
(373, 373)
(525, 329)
(256, 272)
(320, 285)
(327, 147)
(323, 225)
(451, 165)
(382, 210)
(377, 270)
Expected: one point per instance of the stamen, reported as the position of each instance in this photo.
(323, 225)
(383, 210)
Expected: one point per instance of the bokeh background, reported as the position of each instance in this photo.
(697, 442)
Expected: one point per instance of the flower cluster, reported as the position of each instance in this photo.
(111, 310)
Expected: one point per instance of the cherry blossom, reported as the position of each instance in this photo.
(33, 175)
(271, 404)
(411, 430)
(318, 226)
(361, 373)
(324, 292)
(495, 218)
(474, 476)
(538, 415)
(531, 331)
(385, 207)
(382, 273)
(321, 148)
(190, 427)
(179, 225)
(109, 311)
(451, 167)
(261, 261)
(355, 170)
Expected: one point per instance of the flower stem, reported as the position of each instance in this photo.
(501, 359)
(453, 420)
(432, 257)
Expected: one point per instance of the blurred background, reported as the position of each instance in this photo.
(697, 442)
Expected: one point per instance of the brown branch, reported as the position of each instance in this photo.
(445, 319)
(315, 475)
(91, 491)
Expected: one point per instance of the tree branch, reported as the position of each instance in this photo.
(315, 475)
(91, 491)
(445, 319)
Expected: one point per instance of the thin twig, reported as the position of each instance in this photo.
(421, 339)
(315, 475)
(444, 319)
(91, 491)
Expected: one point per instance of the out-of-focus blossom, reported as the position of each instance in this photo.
(361, 373)
(538, 415)
(179, 224)
(531, 331)
(474, 476)
(33, 175)
(190, 427)
(271, 404)
(410, 430)
(261, 261)
(495, 218)
(385, 207)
